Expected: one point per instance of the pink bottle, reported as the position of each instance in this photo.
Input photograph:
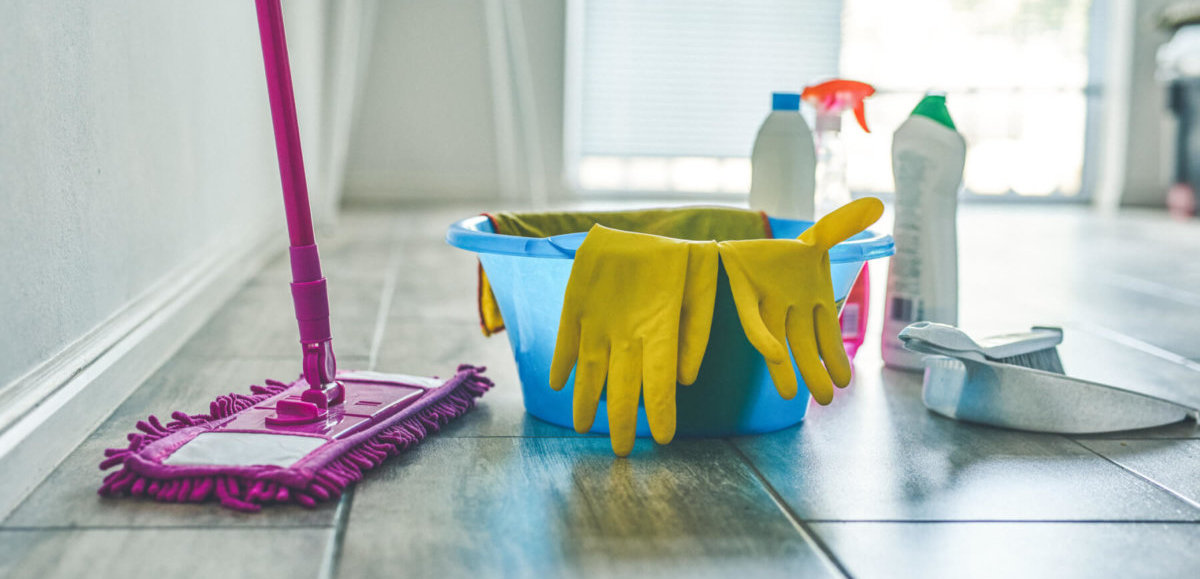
(854, 312)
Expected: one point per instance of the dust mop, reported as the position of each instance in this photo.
(304, 441)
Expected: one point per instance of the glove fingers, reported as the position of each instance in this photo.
(833, 351)
(843, 222)
(802, 339)
(784, 377)
(695, 318)
(624, 388)
(782, 372)
(589, 383)
(575, 302)
(748, 309)
(658, 388)
(566, 350)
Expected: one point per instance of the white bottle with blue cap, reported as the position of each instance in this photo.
(784, 162)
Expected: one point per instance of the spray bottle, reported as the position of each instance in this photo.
(783, 163)
(928, 155)
(830, 99)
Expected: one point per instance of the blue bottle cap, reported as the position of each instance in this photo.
(785, 101)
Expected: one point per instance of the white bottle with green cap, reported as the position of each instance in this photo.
(783, 165)
(928, 155)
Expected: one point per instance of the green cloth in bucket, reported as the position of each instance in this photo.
(691, 223)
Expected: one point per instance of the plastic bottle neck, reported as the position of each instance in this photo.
(829, 122)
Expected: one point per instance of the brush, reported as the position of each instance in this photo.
(1037, 348)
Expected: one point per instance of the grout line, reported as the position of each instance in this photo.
(27, 529)
(385, 307)
(605, 437)
(1139, 475)
(333, 551)
(1136, 344)
(341, 518)
(1082, 437)
(1007, 521)
(1150, 288)
(805, 531)
(550, 437)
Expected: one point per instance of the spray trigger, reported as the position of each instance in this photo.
(833, 97)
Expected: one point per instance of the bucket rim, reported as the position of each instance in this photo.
(475, 234)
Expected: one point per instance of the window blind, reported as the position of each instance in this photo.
(679, 78)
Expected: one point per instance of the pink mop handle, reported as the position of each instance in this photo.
(283, 115)
(308, 286)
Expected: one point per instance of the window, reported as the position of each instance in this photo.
(668, 95)
(1015, 73)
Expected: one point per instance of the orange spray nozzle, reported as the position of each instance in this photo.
(837, 95)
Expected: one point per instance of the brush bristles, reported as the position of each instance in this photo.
(1046, 360)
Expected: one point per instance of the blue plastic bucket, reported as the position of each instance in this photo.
(733, 394)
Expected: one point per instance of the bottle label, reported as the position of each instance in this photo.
(905, 309)
(850, 316)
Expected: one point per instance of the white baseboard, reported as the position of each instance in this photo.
(49, 411)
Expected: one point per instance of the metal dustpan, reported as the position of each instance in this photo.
(965, 386)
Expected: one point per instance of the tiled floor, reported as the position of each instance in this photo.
(870, 486)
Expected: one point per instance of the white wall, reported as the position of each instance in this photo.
(133, 135)
(454, 93)
(1149, 153)
(1135, 141)
(544, 24)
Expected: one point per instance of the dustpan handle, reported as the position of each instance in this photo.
(308, 285)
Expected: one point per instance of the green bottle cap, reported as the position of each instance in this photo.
(933, 106)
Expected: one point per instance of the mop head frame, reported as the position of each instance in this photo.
(234, 456)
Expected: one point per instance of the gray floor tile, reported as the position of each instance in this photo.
(427, 223)
(1059, 550)
(430, 348)
(876, 453)
(437, 282)
(162, 553)
(1172, 464)
(372, 223)
(1138, 315)
(259, 321)
(567, 507)
(501, 412)
(1095, 356)
(498, 492)
(344, 258)
(1066, 265)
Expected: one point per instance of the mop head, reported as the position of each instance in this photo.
(235, 455)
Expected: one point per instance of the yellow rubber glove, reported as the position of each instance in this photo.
(784, 294)
(637, 310)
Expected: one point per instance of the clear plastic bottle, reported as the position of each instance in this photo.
(831, 99)
(832, 190)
